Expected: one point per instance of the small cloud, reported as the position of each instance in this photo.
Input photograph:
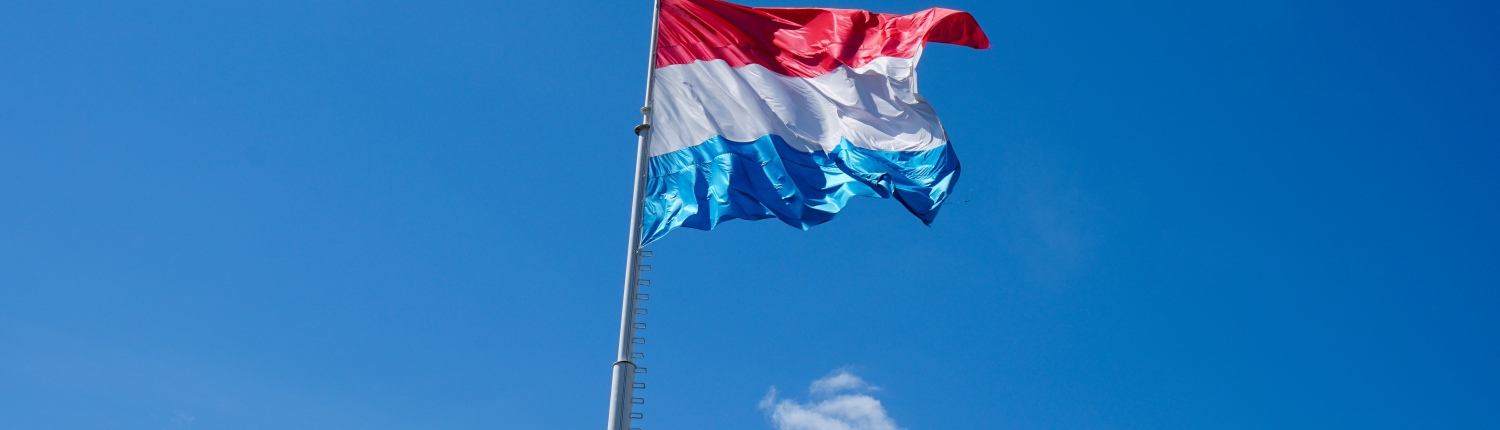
(842, 405)
(769, 400)
(840, 381)
(183, 419)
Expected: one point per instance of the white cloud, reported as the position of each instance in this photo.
(839, 403)
(841, 380)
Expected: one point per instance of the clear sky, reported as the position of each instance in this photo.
(383, 215)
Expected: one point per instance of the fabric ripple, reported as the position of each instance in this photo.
(720, 180)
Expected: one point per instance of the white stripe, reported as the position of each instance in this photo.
(874, 107)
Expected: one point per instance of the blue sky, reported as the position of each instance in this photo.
(379, 215)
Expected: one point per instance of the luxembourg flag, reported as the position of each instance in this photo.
(789, 113)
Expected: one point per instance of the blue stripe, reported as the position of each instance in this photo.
(720, 180)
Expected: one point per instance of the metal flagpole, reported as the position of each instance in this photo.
(622, 391)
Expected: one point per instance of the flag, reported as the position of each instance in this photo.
(791, 112)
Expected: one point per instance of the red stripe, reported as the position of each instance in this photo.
(803, 42)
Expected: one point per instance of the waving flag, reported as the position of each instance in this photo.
(789, 113)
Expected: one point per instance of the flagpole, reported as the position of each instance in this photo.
(622, 390)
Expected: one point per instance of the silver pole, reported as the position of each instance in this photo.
(622, 391)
